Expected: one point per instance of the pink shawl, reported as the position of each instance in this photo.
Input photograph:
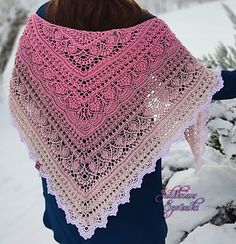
(98, 109)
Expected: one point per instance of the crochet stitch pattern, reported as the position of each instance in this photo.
(97, 109)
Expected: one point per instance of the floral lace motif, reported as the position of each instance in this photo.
(98, 109)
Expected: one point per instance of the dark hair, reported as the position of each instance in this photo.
(93, 15)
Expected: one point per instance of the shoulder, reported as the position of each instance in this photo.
(146, 15)
(41, 9)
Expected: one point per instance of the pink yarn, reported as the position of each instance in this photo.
(98, 109)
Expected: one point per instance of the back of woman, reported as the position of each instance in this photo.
(142, 216)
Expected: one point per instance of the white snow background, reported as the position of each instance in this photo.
(200, 28)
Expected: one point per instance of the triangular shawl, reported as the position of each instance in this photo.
(98, 109)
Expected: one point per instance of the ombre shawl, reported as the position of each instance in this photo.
(97, 109)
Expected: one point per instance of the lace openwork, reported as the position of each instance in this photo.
(98, 109)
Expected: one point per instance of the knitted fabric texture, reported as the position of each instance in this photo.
(98, 109)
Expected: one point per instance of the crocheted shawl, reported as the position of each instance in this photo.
(97, 109)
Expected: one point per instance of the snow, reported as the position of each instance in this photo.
(200, 28)
(212, 234)
(220, 123)
(223, 123)
(6, 18)
(4, 85)
(217, 191)
(170, 5)
(22, 203)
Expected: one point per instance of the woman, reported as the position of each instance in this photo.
(140, 220)
(118, 229)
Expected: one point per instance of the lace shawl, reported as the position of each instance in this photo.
(98, 109)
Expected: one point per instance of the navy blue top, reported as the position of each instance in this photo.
(139, 221)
